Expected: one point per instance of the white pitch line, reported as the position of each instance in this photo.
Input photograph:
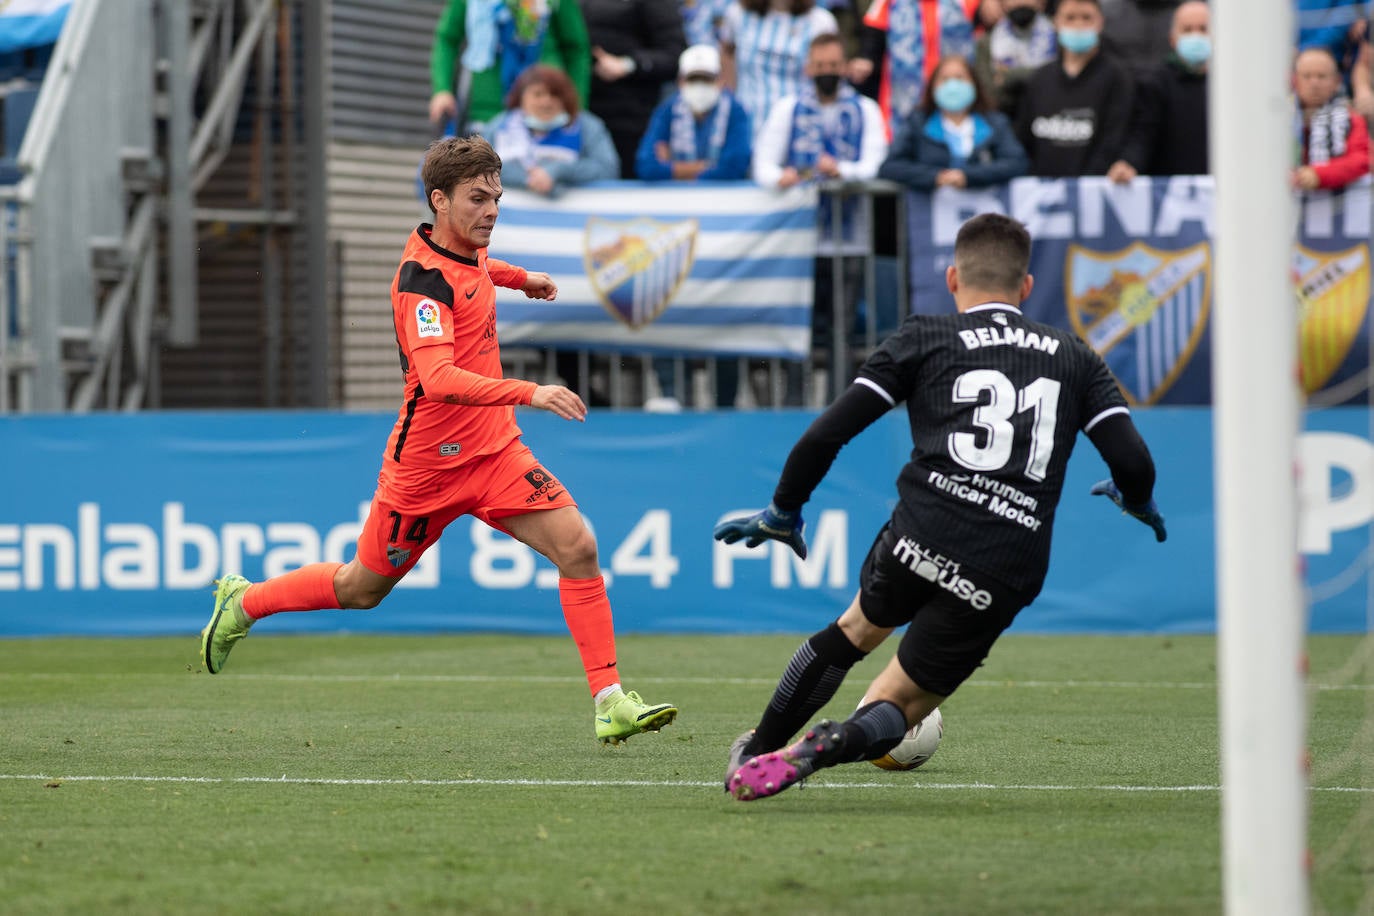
(622, 783)
(561, 679)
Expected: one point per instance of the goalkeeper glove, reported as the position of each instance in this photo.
(1147, 514)
(771, 524)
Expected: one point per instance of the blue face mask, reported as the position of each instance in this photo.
(557, 121)
(955, 95)
(1077, 41)
(1194, 49)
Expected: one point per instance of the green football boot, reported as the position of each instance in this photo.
(624, 714)
(227, 625)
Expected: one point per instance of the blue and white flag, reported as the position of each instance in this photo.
(721, 268)
(31, 23)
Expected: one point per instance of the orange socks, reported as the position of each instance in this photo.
(310, 588)
(587, 611)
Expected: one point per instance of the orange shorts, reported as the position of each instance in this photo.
(412, 506)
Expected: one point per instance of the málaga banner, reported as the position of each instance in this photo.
(701, 268)
(1129, 268)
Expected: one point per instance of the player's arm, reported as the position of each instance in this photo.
(534, 284)
(504, 274)
(442, 380)
(806, 466)
(1132, 483)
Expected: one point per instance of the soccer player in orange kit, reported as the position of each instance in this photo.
(455, 449)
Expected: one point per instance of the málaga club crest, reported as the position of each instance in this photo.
(1143, 309)
(1333, 295)
(636, 266)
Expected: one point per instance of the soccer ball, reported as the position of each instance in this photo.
(919, 745)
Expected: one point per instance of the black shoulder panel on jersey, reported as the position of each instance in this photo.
(414, 277)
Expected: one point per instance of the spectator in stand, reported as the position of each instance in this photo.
(1335, 139)
(1073, 116)
(957, 139)
(764, 47)
(1136, 32)
(826, 132)
(701, 21)
(1010, 52)
(547, 143)
(635, 47)
(700, 133)
(1339, 26)
(1168, 133)
(901, 42)
(502, 38)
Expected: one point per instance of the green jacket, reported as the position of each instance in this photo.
(566, 46)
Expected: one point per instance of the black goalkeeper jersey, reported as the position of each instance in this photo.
(996, 402)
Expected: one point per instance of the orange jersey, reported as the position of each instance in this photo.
(442, 300)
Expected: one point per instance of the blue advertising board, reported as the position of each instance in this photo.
(117, 525)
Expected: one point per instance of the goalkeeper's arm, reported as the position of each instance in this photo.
(1127, 457)
(810, 459)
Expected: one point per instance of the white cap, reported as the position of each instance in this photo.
(699, 59)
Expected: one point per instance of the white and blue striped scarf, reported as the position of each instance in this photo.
(906, 51)
(682, 131)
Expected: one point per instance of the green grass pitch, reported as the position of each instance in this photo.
(458, 774)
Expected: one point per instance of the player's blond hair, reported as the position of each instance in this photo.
(450, 161)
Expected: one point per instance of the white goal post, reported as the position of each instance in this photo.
(1261, 620)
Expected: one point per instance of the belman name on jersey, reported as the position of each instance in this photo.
(974, 338)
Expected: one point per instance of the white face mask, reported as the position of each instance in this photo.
(701, 97)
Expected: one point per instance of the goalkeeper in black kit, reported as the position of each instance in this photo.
(996, 402)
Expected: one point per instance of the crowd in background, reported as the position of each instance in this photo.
(926, 93)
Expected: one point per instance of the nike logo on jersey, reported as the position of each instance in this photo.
(974, 338)
(470, 293)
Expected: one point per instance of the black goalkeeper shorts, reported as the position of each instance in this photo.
(956, 613)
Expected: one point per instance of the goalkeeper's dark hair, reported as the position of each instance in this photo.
(992, 252)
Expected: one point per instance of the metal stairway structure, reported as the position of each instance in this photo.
(141, 107)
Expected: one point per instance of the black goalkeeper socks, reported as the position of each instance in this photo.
(872, 731)
(811, 679)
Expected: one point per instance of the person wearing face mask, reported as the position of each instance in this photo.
(545, 141)
(957, 140)
(1168, 133)
(1008, 54)
(899, 44)
(1074, 113)
(700, 133)
(826, 132)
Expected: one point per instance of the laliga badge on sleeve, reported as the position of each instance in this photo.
(427, 319)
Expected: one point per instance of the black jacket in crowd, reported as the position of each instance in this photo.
(1168, 134)
(650, 33)
(1077, 125)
